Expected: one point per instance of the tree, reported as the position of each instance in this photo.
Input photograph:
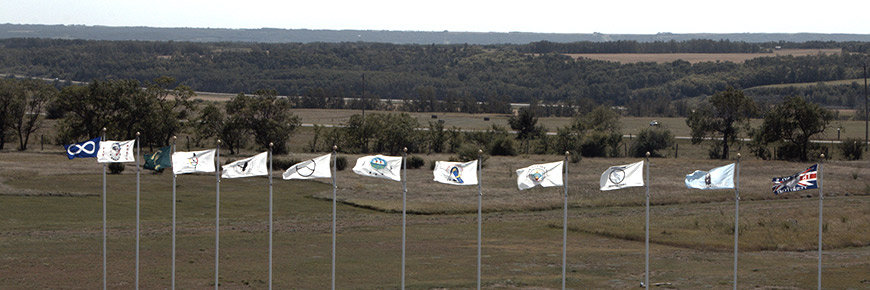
(793, 123)
(652, 140)
(526, 125)
(272, 121)
(436, 137)
(167, 110)
(9, 89)
(723, 116)
(34, 96)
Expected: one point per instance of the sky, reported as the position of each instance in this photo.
(567, 16)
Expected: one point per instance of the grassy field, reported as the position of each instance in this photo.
(698, 57)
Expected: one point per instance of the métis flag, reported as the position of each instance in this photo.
(309, 169)
(116, 151)
(379, 166)
(803, 180)
(86, 149)
(456, 173)
(545, 175)
(194, 161)
(257, 165)
(717, 178)
(622, 176)
(159, 160)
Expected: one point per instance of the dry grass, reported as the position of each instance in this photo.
(698, 57)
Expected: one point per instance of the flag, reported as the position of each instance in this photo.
(195, 161)
(85, 149)
(456, 173)
(257, 165)
(159, 160)
(116, 151)
(804, 180)
(616, 177)
(387, 167)
(716, 178)
(546, 175)
(314, 168)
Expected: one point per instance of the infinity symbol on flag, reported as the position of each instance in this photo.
(82, 148)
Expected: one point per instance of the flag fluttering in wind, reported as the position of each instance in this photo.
(159, 160)
(86, 149)
(717, 178)
(257, 165)
(545, 175)
(116, 151)
(803, 180)
(314, 168)
(194, 161)
(456, 173)
(379, 166)
(622, 176)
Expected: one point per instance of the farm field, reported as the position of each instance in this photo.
(697, 57)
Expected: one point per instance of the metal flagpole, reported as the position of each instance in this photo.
(104, 216)
(404, 207)
(479, 214)
(174, 177)
(270, 215)
(736, 217)
(217, 214)
(138, 170)
(821, 199)
(565, 221)
(334, 157)
(646, 259)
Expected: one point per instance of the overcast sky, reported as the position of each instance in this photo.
(567, 16)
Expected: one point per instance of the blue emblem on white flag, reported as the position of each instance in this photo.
(716, 178)
(804, 180)
(86, 149)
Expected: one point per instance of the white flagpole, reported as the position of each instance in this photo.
(217, 215)
(270, 215)
(138, 170)
(334, 157)
(404, 206)
(565, 221)
(736, 217)
(479, 214)
(104, 216)
(174, 177)
(821, 199)
(646, 259)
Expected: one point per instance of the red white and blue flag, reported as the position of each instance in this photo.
(803, 180)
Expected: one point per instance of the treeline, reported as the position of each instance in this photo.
(627, 46)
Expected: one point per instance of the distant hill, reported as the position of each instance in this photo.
(271, 35)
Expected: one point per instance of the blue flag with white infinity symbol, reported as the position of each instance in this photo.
(86, 149)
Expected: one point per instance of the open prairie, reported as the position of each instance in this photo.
(698, 57)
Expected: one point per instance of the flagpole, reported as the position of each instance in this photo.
(174, 177)
(104, 216)
(334, 157)
(404, 207)
(217, 215)
(138, 170)
(646, 259)
(479, 214)
(736, 217)
(270, 215)
(821, 199)
(565, 221)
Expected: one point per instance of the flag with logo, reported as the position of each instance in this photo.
(545, 175)
(717, 178)
(456, 173)
(257, 165)
(803, 180)
(314, 168)
(159, 160)
(194, 161)
(622, 176)
(86, 149)
(379, 166)
(116, 151)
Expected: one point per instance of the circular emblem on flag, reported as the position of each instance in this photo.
(378, 163)
(307, 169)
(456, 174)
(537, 174)
(82, 148)
(707, 180)
(617, 175)
(193, 160)
(116, 151)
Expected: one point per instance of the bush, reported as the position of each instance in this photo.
(340, 163)
(116, 168)
(415, 162)
(501, 146)
(468, 152)
(652, 140)
(852, 149)
(284, 164)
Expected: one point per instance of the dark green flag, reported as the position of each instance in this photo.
(159, 160)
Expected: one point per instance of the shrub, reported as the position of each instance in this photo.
(116, 168)
(415, 162)
(652, 140)
(852, 149)
(284, 164)
(501, 146)
(340, 163)
(468, 152)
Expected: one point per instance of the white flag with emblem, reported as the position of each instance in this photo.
(387, 167)
(616, 177)
(546, 175)
(116, 151)
(257, 165)
(456, 173)
(309, 169)
(194, 161)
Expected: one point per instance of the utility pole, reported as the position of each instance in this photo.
(866, 144)
(363, 98)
